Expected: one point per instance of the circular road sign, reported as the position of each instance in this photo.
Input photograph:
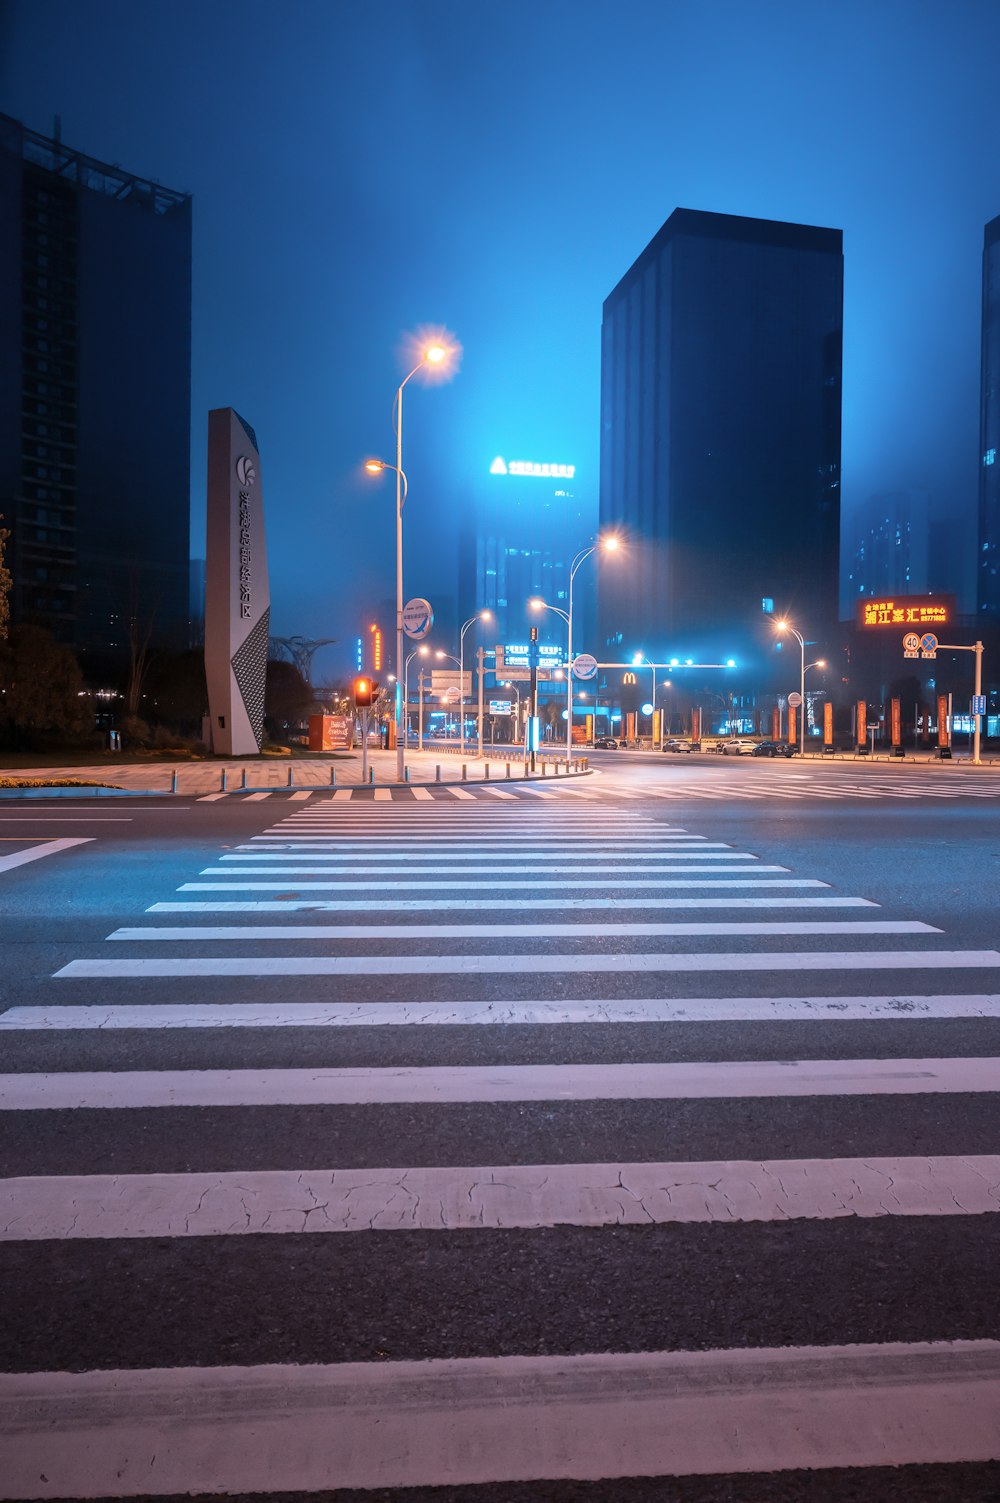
(584, 665)
(911, 642)
(418, 618)
(928, 642)
(452, 696)
(795, 699)
(647, 708)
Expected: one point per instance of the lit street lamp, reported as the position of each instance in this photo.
(434, 354)
(608, 544)
(479, 616)
(422, 652)
(819, 663)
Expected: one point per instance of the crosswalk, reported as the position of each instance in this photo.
(500, 1148)
(736, 784)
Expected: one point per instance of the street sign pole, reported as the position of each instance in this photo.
(480, 654)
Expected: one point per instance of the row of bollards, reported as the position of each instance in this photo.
(580, 764)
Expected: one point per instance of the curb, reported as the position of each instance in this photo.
(90, 791)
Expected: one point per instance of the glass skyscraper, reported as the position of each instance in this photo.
(720, 437)
(95, 396)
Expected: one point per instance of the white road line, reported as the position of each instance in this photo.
(382, 795)
(498, 792)
(666, 962)
(330, 933)
(348, 885)
(617, 1010)
(590, 853)
(529, 1196)
(368, 1425)
(255, 798)
(209, 798)
(527, 903)
(597, 876)
(501, 844)
(300, 797)
(37, 852)
(95, 1090)
(422, 794)
(457, 792)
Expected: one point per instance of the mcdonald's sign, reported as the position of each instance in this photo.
(628, 678)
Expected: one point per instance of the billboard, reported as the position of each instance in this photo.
(907, 610)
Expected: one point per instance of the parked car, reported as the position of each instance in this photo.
(739, 746)
(774, 749)
(606, 743)
(675, 744)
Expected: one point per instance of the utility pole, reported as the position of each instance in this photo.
(480, 654)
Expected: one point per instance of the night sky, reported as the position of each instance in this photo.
(363, 170)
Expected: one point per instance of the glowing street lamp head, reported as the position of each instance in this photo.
(435, 353)
(610, 543)
(821, 662)
(637, 657)
(374, 466)
(536, 604)
(486, 615)
(781, 626)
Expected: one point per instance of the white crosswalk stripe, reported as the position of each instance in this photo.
(541, 1045)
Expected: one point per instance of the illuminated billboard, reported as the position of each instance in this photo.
(529, 467)
(907, 610)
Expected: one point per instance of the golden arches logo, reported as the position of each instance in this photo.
(628, 678)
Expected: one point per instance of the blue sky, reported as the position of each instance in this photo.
(363, 169)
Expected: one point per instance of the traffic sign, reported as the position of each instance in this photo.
(911, 645)
(929, 644)
(979, 704)
(795, 699)
(418, 618)
(584, 665)
(500, 706)
(451, 696)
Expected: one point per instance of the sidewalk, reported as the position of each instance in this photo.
(259, 774)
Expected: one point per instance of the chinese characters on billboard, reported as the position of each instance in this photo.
(907, 610)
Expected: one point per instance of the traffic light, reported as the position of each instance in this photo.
(365, 692)
(534, 633)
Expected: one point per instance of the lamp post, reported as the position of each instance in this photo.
(479, 616)
(608, 544)
(783, 625)
(638, 658)
(451, 659)
(433, 355)
(417, 652)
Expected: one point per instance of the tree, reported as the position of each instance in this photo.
(42, 687)
(5, 583)
(287, 696)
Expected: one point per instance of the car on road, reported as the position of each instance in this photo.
(606, 743)
(774, 749)
(739, 746)
(675, 744)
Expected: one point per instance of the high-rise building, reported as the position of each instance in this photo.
(989, 430)
(519, 536)
(720, 436)
(887, 547)
(95, 396)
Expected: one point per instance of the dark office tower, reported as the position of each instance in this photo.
(95, 376)
(989, 430)
(720, 436)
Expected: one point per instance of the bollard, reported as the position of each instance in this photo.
(543, 767)
(486, 771)
(437, 773)
(508, 772)
(406, 774)
(243, 784)
(173, 781)
(464, 772)
(525, 767)
(333, 777)
(290, 770)
(371, 775)
(225, 780)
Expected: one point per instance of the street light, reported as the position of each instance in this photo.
(783, 625)
(422, 652)
(479, 616)
(435, 355)
(637, 658)
(608, 544)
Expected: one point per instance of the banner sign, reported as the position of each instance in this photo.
(895, 721)
(907, 610)
(828, 725)
(943, 737)
(862, 736)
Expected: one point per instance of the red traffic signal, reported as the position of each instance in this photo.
(365, 692)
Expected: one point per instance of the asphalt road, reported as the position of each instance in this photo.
(623, 1199)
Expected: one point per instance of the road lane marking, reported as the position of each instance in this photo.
(525, 904)
(368, 1425)
(295, 933)
(349, 884)
(616, 1010)
(38, 852)
(675, 963)
(527, 1196)
(687, 1081)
